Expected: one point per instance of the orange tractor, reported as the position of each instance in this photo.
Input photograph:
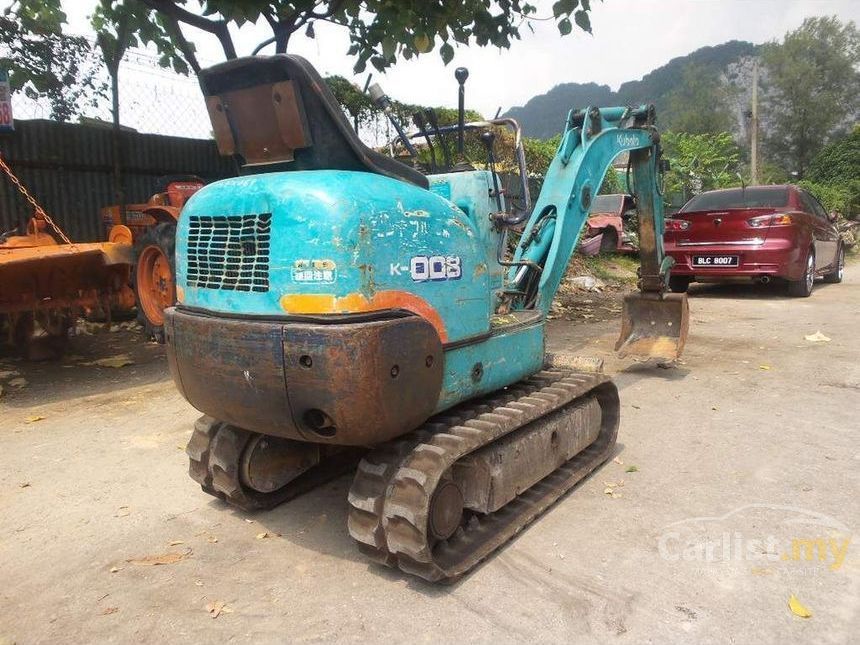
(47, 281)
(151, 229)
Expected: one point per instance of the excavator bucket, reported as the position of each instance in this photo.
(654, 325)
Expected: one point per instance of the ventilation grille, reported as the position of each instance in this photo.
(229, 253)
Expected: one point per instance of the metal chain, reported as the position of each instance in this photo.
(40, 212)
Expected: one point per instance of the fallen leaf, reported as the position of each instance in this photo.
(18, 382)
(171, 557)
(120, 360)
(632, 469)
(218, 607)
(175, 543)
(764, 367)
(817, 337)
(122, 511)
(33, 419)
(797, 609)
(24, 485)
(199, 583)
(246, 519)
(212, 539)
(115, 569)
(618, 461)
(110, 610)
(267, 534)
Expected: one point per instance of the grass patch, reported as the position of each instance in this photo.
(616, 268)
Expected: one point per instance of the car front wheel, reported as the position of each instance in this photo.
(803, 288)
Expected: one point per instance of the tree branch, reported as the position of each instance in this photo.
(216, 27)
(171, 25)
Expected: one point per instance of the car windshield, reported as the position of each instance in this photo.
(606, 204)
(753, 197)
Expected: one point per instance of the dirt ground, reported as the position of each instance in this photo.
(734, 488)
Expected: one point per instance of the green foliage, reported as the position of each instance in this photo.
(380, 31)
(612, 184)
(130, 23)
(539, 154)
(43, 61)
(699, 162)
(355, 103)
(698, 104)
(812, 80)
(834, 175)
(839, 161)
(843, 198)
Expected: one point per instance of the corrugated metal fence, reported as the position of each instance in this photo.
(68, 168)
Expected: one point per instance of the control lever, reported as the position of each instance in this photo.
(461, 74)
(434, 123)
(381, 100)
(488, 138)
(418, 119)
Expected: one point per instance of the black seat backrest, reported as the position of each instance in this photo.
(277, 113)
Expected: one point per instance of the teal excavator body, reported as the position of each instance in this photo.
(330, 296)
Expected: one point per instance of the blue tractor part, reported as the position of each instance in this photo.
(332, 299)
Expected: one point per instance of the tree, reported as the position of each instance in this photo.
(699, 162)
(699, 103)
(834, 174)
(380, 31)
(355, 103)
(838, 162)
(812, 85)
(43, 61)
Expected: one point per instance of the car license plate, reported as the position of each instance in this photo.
(715, 261)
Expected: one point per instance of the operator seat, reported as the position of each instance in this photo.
(277, 110)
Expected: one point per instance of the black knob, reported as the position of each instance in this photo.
(461, 74)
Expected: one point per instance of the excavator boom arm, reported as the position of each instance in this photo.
(654, 324)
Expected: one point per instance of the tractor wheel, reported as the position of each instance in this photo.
(153, 278)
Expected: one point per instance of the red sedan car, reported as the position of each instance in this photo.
(757, 232)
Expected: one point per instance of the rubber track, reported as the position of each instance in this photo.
(390, 497)
(215, 451)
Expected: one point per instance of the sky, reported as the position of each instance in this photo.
(630, 38)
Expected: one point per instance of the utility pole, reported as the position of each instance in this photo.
(754, 127)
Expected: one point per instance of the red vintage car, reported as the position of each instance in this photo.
(758, 232)
(605, 232)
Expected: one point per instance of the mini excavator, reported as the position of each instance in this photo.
(338, 306)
